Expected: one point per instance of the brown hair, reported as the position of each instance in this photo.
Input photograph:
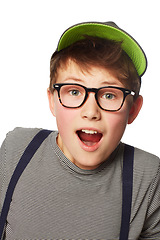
(94, 51)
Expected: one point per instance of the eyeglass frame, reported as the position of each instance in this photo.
(126, 92)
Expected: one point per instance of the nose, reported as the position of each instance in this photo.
(90, 110)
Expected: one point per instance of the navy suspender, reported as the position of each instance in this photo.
(27, 156)
(128, 160)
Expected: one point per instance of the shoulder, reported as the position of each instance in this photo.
(146, 162)
(143, 160)
(146, 169)
(16, 142)
(20, 136)
(13, 147)
(146, 176)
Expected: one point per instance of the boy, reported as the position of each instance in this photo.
(73, 186)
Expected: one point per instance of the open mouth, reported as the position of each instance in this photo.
(89, 137)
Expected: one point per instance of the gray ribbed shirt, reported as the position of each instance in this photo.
(54, 199)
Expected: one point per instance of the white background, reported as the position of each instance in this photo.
(29, 33)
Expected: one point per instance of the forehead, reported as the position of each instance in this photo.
(89, 75)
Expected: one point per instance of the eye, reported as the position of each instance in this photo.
(74, 92)
(108, 96)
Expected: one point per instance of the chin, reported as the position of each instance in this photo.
(88, 164)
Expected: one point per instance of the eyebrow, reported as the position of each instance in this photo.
(73, 79)
(106, 83)
(110, 83)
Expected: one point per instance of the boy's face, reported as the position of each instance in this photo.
(109, 126)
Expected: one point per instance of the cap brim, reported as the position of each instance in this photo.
(129, 45)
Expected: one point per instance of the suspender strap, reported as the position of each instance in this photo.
(25, 159)
(127, 191)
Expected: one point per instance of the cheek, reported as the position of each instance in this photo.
(64, 118)
(117, 123)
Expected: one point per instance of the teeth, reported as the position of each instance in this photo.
(89, 131)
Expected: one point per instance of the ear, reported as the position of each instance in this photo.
(51, 101)
(135, 109)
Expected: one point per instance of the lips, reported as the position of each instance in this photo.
(89, 137)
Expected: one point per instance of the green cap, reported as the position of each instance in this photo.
(108, 30)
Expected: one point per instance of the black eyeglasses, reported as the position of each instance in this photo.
(108, 98)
